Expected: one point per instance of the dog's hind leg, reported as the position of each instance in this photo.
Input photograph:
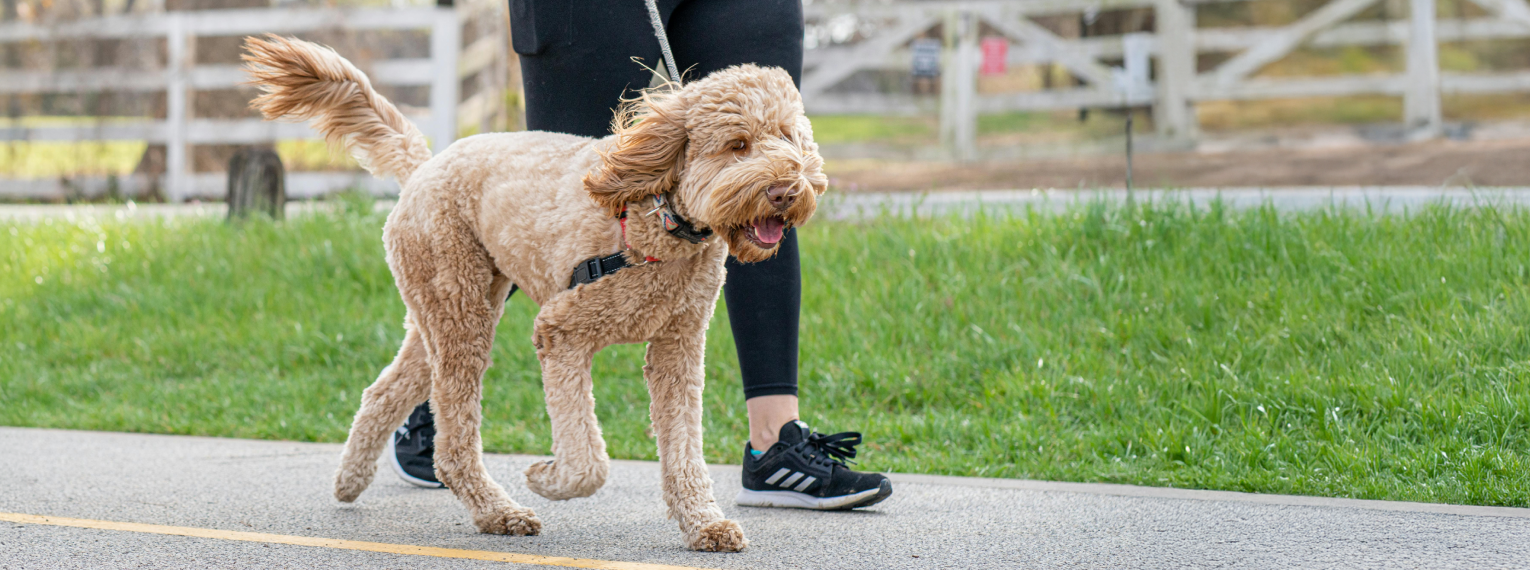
(384, 405)
(582, 464)
(675, 376)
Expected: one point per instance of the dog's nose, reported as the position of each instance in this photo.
(781, 197)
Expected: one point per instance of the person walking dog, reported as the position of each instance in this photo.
(577, 63)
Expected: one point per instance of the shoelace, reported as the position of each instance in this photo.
(838, 448)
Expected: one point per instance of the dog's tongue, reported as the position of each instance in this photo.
(769, 229)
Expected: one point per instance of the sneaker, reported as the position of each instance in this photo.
(806, 470)
(413, 449)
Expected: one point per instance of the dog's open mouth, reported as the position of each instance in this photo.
(766, 232)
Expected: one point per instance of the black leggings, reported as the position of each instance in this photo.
(577, 64)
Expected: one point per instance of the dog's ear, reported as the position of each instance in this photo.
(813, 166)
(645, 157)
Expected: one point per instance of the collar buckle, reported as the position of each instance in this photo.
(596, 267)
(676, 225)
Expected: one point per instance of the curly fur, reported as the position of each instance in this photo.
(663, 134)
(304, 81)
(525, 208)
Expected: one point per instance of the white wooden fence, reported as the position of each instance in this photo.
(449, 63)
(1157, 69)
(1176, 84)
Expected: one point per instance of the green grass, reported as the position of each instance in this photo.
(1325, 353)
(832, 129)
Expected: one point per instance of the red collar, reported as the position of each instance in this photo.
(623, 218)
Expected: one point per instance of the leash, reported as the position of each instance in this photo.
(658, 32)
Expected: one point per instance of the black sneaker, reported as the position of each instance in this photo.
(806, 470)
(413, 449)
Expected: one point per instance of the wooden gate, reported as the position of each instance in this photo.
(1158, 68)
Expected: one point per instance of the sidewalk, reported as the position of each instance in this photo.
(264, 504)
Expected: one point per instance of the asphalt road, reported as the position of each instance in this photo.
(282, 488)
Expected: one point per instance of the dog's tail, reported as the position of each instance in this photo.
(302, 80)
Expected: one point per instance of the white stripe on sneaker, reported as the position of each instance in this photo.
(777, 477)
(804, 484)
(793, 479)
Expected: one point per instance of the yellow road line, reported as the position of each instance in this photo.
(339, 544)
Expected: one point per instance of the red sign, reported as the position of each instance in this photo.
(995, 56)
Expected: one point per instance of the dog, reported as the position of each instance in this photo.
(724, 164)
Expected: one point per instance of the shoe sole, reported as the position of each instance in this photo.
(795, 500)
(398, 468)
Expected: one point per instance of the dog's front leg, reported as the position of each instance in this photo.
(581, 465)
(675, 376)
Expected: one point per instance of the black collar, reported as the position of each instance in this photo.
(676, 225)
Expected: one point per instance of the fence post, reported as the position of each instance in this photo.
(445, 44)
(177, 112)
(948, 79)
(1421, 102)
(958, 87)
(966, 88)
(1173, 114)
(1136, 68)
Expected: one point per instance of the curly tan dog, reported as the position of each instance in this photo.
(732, 153)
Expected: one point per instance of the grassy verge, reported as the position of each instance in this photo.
(1325, 353)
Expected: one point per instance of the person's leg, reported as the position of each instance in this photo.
(765, 298)
(785, 464)
(576, 74)
(764, 301)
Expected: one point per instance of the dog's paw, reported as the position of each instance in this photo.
(350, 484)
(556, 481)
(719, 536)
(511, 521)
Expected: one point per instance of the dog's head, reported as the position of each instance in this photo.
(733, 150)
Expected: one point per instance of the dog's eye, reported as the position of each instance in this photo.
(739, 145)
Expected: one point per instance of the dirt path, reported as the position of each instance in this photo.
(1455, 163)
